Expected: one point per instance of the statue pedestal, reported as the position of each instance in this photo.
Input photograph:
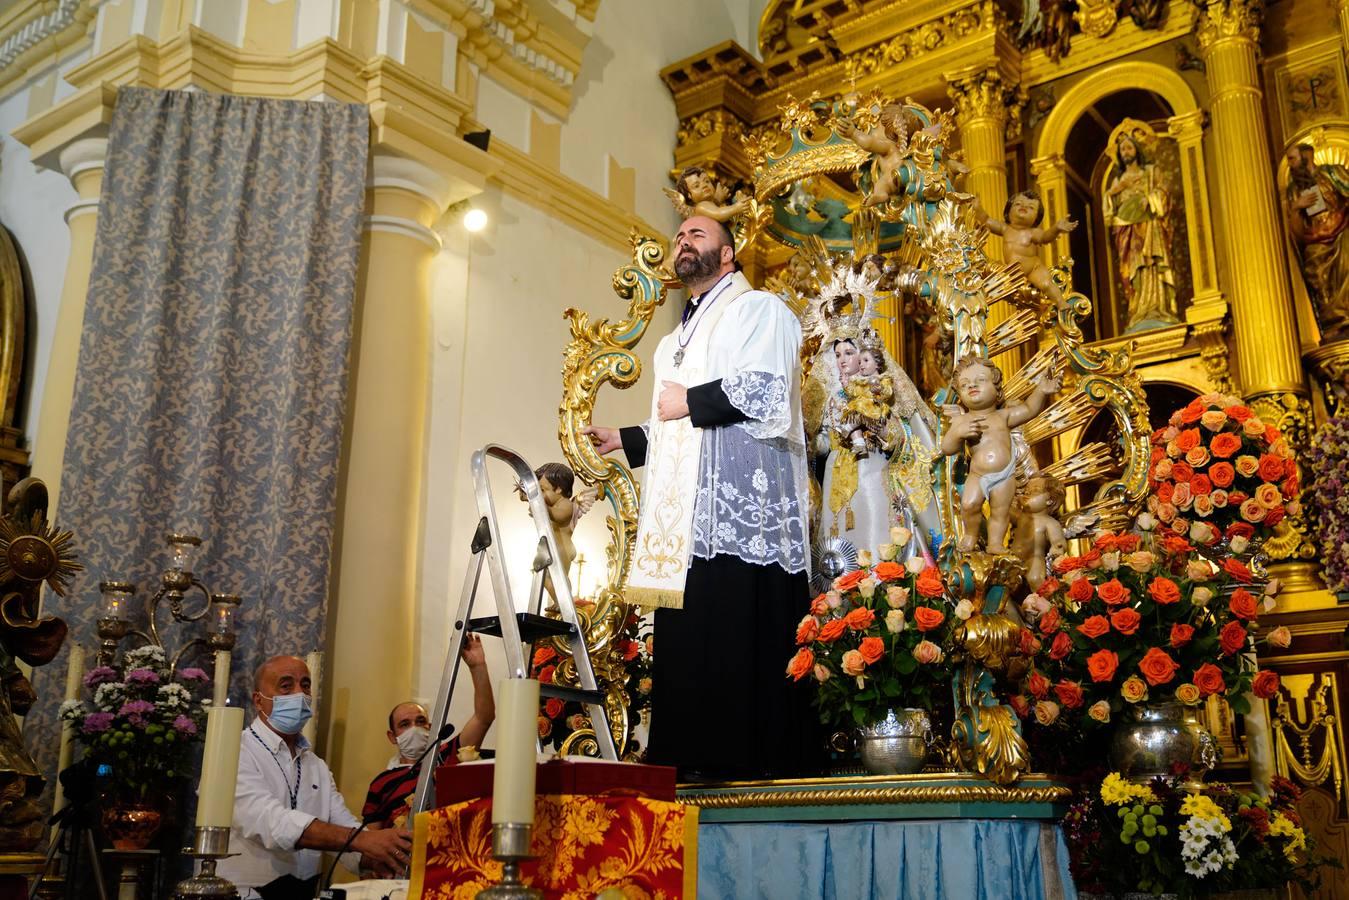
(18, 871)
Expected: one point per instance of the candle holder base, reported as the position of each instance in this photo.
(208, 845)
(510, 845)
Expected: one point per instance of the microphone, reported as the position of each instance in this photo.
(322, 889)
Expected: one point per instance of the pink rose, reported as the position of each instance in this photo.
(1218, 498)
(896, 596)
(1197, 456)
(1279, 637)
(821, 673)
(1140, 561)
(1161, 470)
(1181, 496)
(1034, 607)
(853, 663)
(1247, 465)
(1253, 427)
(1099, 711)
(1203, 506)
(1046, 712)
(927, 653)
(1213, 420)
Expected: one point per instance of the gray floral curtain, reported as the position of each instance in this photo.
(213, 366)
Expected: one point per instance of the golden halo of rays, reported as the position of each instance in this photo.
(34, 551)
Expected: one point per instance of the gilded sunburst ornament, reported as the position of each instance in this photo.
(33, 551)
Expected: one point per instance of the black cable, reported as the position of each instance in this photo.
(445, 731)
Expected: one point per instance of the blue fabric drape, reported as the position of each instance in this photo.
(213, 366)
(960, 859)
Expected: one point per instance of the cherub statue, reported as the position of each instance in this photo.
(1039, 535)
(887, 142)
(697, 193)
(556, 482)
(987, 424)
(870, 397)
(1021, 233)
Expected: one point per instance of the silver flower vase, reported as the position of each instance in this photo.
(1161, 739)
(897, 744)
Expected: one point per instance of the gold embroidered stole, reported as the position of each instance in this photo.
(664, 545)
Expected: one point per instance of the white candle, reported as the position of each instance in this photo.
(221, 691)
(74, 675)
(516, 752)
(219, 767)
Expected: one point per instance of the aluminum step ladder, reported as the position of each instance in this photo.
(517, 629)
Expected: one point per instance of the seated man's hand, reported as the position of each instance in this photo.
(385, 851)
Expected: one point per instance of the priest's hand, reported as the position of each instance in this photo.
(606, 440)
(673, 402)
(385, 851)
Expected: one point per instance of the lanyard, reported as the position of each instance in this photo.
(294, 793)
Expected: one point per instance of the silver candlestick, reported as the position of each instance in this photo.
(510, 844)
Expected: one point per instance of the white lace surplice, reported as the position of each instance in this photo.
(752, 489)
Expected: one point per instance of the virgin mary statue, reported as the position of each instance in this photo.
(876, 435)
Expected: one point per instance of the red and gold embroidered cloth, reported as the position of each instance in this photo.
(584, 844)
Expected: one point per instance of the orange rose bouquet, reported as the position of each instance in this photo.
(1219, 473)
(1143, 617)
(877, 641)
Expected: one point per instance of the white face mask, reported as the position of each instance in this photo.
(412, 743)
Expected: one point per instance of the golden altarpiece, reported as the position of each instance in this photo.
(1195, 151)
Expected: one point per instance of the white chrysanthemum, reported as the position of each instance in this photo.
(174, 696)
(110, 695)
(1194, 868)
(151, 656)
(72, 711)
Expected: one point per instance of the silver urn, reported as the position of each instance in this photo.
(897, 744)
(1158, 739)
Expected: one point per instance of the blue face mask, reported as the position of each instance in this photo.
(290, 712)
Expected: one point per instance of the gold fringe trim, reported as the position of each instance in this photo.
(654, 598)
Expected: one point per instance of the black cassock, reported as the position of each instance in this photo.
(722, 704)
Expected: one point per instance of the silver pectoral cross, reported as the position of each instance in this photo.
(678, 357)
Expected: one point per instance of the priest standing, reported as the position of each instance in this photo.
(721, 535)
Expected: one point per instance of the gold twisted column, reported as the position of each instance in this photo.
(1265, 328)
(985, 102)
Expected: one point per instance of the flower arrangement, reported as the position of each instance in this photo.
(1158, 838)
(877, 640)
(1142, 617)
(559, 719)
(1328, 500)
(141, 721)
(1220, 473)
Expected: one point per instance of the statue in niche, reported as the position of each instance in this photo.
(1137, 205)
(1316, 207)
(698, 193)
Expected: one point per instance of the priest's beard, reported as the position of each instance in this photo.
(697, 267)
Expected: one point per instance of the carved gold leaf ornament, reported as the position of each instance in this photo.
(601, 353)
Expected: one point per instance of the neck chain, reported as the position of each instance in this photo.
(697, 318)
(293, 793)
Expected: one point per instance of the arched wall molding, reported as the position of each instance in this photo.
(1107, 80)
(1185, 125)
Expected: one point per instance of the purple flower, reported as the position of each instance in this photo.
(184, 725)
(142, 676)
(98, 722)
(94, 677)
(193, 674)
(136, 710)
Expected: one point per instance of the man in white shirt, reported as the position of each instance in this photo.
(287, 809)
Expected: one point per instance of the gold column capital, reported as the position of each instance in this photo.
(1186, 126)
(1219, 21)
(984, 92)
(1048, 165)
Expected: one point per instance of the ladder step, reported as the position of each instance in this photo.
(580, 695)
(532, 627)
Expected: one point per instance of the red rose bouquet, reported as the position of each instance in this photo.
(1143, 617)
(877, 641)
(1220, 473)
